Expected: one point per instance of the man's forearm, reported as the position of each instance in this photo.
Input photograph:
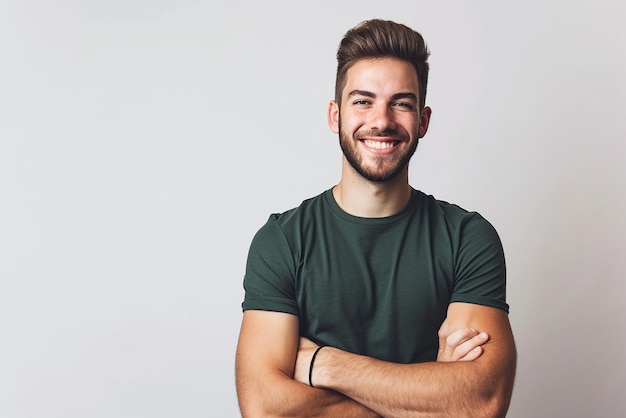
(287, 398)
(264, 373)
(413, 390)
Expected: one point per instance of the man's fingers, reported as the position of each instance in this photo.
(459, 336)
(449, 342)
(470, 349)
(473, 354)
(463, 344)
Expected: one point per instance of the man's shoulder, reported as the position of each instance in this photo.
(444, 207)
(307, 209)
(452, 214)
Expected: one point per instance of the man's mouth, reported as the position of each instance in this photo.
(379, 144)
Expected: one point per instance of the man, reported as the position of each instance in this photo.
(374, 299)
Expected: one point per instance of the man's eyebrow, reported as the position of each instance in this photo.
(411, 96)
(397, 96)
(361, 93)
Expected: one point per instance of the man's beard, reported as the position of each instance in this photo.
(387, 167)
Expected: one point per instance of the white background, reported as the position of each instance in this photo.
(143, 143)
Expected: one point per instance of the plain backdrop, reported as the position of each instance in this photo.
(143, 143)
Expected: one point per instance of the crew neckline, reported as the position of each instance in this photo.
(385, 220)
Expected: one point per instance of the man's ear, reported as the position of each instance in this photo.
(424, 121)
(333, 116)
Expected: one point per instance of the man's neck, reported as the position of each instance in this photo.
(360, 197)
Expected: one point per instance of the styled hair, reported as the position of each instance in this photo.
(378, 38)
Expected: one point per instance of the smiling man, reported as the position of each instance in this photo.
(374, 299)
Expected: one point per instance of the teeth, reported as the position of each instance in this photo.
(378, 144)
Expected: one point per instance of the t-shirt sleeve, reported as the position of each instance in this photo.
(270, 272)
(480, 271)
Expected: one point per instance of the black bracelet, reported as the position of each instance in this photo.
(317, 350)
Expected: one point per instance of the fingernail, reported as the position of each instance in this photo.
(482, 335)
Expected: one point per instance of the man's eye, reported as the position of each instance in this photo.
(404, 105)
(361, 102)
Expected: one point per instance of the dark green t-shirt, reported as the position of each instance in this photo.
(375, 286)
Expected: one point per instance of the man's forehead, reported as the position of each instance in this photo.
(369, 74)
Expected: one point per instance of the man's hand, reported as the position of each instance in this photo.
(464, 344)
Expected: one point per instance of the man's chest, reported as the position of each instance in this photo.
(382, 298)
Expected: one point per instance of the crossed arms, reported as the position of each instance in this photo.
(473, 375)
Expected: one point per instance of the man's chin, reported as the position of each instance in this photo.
(379, 176)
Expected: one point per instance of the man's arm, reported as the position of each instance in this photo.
(265, 360)
(479, 388)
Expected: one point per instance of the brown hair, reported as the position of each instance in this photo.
(379, 39)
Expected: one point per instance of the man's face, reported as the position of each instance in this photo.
(379, 122)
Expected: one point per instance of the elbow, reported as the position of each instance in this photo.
(254, 413)
(258, 399)
(258, 404)
(497, 399)
(252, 409)
(252, 405)
(495, 407)
(495, 403)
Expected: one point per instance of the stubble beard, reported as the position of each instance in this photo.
(387, 167)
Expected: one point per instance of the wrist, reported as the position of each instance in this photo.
(312, 364)
(320, 373)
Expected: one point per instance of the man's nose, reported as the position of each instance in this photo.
(382, 118)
